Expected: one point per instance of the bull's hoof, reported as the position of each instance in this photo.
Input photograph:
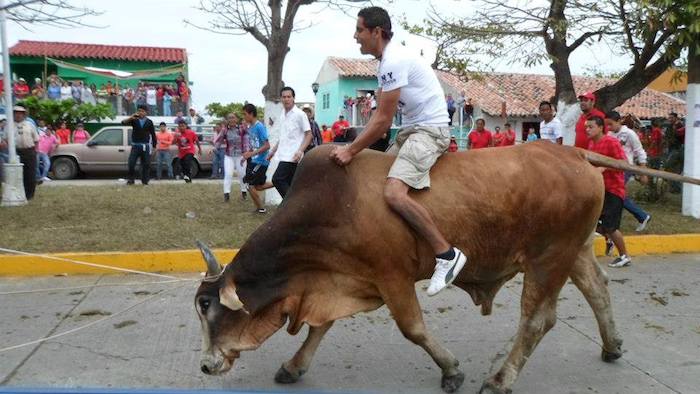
(489, 388)
(285, 377)
(450, 384)
(609, 357)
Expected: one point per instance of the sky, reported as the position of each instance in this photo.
(232, 68)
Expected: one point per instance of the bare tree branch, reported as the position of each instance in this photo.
(56, 13)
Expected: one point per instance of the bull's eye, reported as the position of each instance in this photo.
(204, 304)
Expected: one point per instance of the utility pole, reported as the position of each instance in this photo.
(12, 183)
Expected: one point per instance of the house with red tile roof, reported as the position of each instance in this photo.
(98, 64)
(521, 93)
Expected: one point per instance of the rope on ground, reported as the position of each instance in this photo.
(108, 267)
(98, 285)
(74, 330)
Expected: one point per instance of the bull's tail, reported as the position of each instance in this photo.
(605, 161)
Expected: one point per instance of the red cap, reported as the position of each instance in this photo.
(588, 95)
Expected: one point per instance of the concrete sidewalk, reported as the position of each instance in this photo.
(157, 343)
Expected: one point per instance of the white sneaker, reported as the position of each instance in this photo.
(446, 271)
(46, 179)
(643, 224)
(620, 262)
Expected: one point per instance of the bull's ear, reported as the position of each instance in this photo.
(213, 266)
(229, 298)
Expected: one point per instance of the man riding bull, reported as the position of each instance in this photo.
(407, 80)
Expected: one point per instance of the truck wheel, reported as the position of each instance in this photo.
(64, 168)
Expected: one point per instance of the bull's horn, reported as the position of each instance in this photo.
(213, 267)
(229, 298)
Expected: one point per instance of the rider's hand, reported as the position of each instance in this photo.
(341, 155)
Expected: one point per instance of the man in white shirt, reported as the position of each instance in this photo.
(635, 153)
(295, 136)
(550, 127)
(406, 79)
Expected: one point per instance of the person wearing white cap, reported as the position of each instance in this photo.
(21, 89)
(26, 138)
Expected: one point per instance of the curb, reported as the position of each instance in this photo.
(175, 261)
(172, 261)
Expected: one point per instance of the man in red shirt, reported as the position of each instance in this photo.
(480, 137)
(186, 139)
(21, 89)
(656, 140)
(508, 136)
(587, 102)
(339, 127)
(63, 134)
(497, 137)
(614, 180)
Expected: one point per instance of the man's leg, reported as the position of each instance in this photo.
(160, 159)
(28, 158)
(449, 260)
(133, 155)
(396, 195)
(633, 208)
(255, 196)
(186, 162)
(282, 179)
(145, 165)
(619, 242)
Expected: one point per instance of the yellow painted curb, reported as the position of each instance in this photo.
(655, 244)
(191, 260)
(158, 261)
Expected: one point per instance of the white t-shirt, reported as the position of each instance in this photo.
(422, 97)
(551, 131)
(631, 145)
(151, 97)
(66, 93)
(293, 125)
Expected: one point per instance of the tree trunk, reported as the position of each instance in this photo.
(691, 193)
(273, 109)
(568, 110)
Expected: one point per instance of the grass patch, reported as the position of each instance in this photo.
(116, 218)
(137, 218)
(666, 215)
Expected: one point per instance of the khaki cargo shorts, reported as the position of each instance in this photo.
(417, 149)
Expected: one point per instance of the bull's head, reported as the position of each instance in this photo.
(225, 323)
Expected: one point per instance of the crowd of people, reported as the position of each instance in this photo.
(160, 99)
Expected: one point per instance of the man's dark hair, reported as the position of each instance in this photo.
(162, 124)
(547, 103)
(614, 115)
(143, 107)
(290, 89)
(598, 120)
(250, 108)
(481, 120)
(507, 124)
(673, 114)
(377, 17)
(181, 121)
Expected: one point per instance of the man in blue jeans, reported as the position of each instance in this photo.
(143, 139)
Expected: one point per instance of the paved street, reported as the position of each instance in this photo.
(156, 344)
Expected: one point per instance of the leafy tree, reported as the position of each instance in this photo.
(56, 111)
(653, 33)
(221, 110)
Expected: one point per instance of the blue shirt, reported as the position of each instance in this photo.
(258, 136)
(54, 92)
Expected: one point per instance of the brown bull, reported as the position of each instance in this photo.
(334, 248)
